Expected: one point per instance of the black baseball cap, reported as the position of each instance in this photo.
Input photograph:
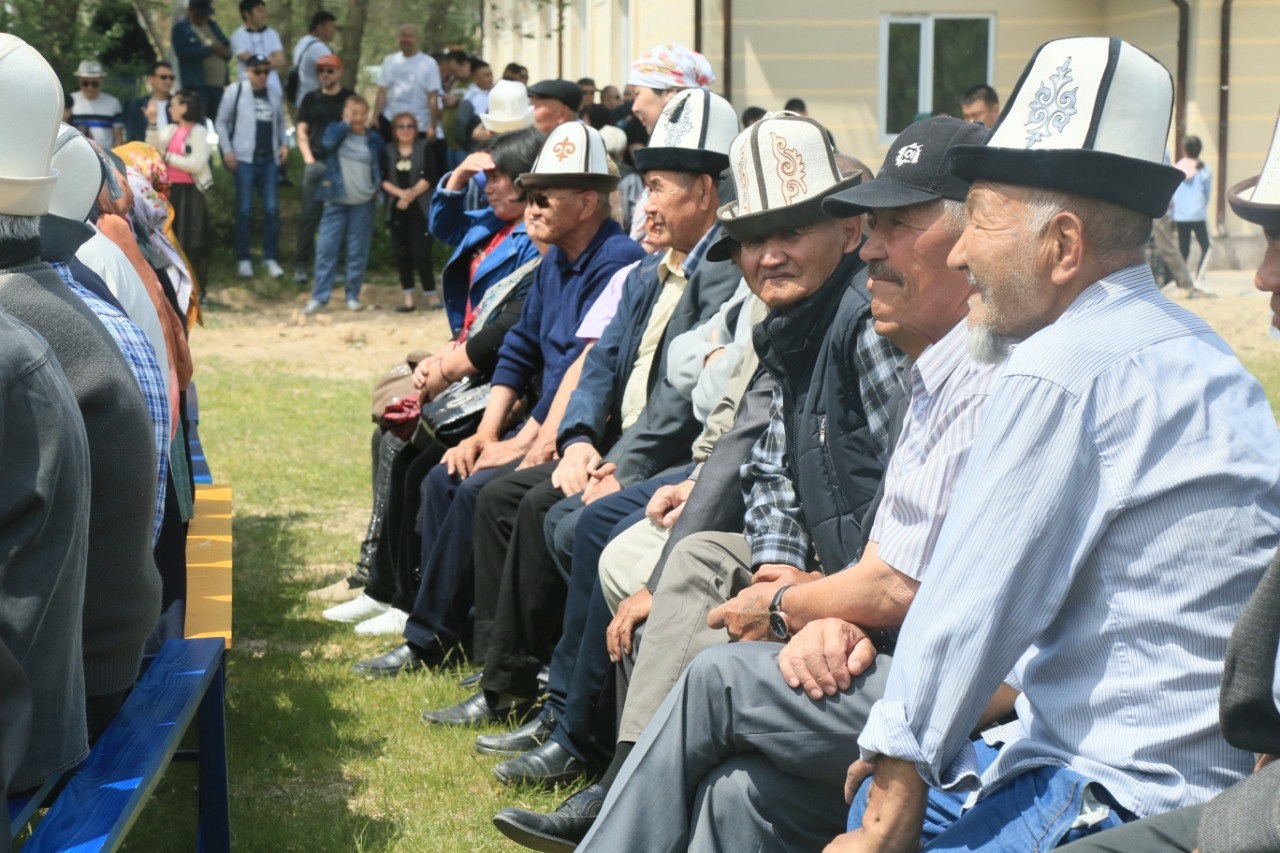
(915, 169)
(257, 60)
(565, 91)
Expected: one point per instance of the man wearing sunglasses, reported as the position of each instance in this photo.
(251, 135)
(93, 112)
(152, 109)
(318, 110)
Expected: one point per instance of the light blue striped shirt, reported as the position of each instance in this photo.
(948, 391)
(1119, 505)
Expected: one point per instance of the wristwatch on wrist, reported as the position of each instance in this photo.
(778, 619)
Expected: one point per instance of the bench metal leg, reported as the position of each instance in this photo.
(215, 807)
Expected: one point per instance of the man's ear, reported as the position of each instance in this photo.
(1065, 238)
(853, 233)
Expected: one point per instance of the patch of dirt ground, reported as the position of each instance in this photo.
(242, 327)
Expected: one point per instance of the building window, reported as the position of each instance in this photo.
(927, 61)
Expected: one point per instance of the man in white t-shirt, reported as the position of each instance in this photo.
(95, 113)
(255, 38)
(309, 48)
(409, 82)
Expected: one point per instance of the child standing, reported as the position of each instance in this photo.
(349, 191)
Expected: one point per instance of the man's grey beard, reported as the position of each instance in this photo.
(987, 346)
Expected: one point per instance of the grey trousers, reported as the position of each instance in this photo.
(704, 571)
(734, 759)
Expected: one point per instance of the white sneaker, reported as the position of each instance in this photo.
(391, 622)
(312, 306)
(356, 610)
(274, 269)
(354, 305)
(245, 269)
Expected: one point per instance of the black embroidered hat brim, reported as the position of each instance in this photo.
(762, 223)
(1266, 215)
(1129, 182)
(695, 160)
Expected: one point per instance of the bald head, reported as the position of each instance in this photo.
(407, 39)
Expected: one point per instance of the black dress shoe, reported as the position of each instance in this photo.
(529, 736)
(561, 830)
(547, 766)
(477, 710)
(472, 680)
(403, 658)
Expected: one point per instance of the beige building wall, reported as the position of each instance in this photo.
(829, 54)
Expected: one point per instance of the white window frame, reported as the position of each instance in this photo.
(924, 102)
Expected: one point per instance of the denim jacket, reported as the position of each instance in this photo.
(191, 52)
(331, 188)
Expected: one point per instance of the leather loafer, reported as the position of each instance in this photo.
(476, 711)
(403, 658)
(547, 766)
(516, 742)
(561, 830)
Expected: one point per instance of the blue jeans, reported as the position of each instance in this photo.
(1033, 811)
(355, 221)
(262, 175)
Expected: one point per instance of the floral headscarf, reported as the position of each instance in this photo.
(671, 66)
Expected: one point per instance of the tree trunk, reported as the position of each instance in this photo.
(433, 31)
(283, 13)
(352, 38)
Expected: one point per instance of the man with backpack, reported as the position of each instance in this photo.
(303, 77)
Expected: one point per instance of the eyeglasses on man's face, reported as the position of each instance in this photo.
(90, 84)
(259, 72)
(168, 77)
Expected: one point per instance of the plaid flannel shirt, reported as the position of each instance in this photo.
(141, 356)
(774, 524)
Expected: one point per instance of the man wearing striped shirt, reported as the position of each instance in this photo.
(1120, 503)
(767, 763)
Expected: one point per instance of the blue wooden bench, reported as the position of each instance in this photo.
(105, 794)
(199, 464)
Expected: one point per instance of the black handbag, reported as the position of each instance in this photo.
(454, 414)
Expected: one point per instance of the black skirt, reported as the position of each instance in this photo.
(190, 217)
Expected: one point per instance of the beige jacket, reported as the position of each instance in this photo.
(195, 163)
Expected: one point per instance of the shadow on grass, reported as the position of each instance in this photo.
(291, 740)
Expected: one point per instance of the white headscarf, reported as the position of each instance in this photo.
(671, 66)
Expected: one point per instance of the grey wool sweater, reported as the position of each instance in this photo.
(44, 523)
(122, 585)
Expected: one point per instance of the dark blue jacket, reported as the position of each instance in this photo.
(546, 337)
(135, 123)
(663, 435)
(331, 184)
(470, 231)
(191, 52)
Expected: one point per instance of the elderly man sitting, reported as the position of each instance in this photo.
(1121, 502)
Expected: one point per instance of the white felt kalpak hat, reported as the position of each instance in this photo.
(1257, 200)
(30, 113)
(1089, 116)
(509, 108)
(573, 157)
(80, 175)
(782, 167)
(693, 134)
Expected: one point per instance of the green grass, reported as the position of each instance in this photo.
(319, 759)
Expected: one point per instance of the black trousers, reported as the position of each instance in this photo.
(1185, 230)
(394, 570)
(520, 593)
(412, 246)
